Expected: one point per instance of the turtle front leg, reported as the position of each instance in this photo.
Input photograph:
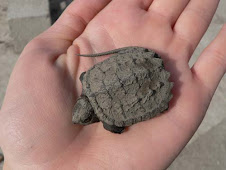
(113, 128)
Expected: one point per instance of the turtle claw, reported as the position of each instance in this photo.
(113, 128)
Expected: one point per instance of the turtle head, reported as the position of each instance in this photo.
(83, 112)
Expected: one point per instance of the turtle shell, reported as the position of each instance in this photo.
(128, 88)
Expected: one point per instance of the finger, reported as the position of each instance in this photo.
(70, 25)
(170, 10)
(211, 65)
(194, 21)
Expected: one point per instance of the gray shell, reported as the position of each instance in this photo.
(128, 87)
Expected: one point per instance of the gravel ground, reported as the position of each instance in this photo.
(7, 56)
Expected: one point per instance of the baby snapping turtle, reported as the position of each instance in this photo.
(129, 87)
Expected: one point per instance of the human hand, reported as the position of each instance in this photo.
(36, 130)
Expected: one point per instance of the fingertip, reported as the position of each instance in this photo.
(76, 17)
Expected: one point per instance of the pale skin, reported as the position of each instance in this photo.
(36, 130)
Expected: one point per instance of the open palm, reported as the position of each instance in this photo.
(36, 130)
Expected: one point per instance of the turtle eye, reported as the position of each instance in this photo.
(82, 76)
(88, 119)
(156, 55)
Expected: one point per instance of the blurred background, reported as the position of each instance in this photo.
(22, 20)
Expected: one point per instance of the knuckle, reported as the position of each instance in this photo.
(219, 57)
(185, 40)
(203, 14)
(35, 43)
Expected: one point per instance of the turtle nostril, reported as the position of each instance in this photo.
(156, 55)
